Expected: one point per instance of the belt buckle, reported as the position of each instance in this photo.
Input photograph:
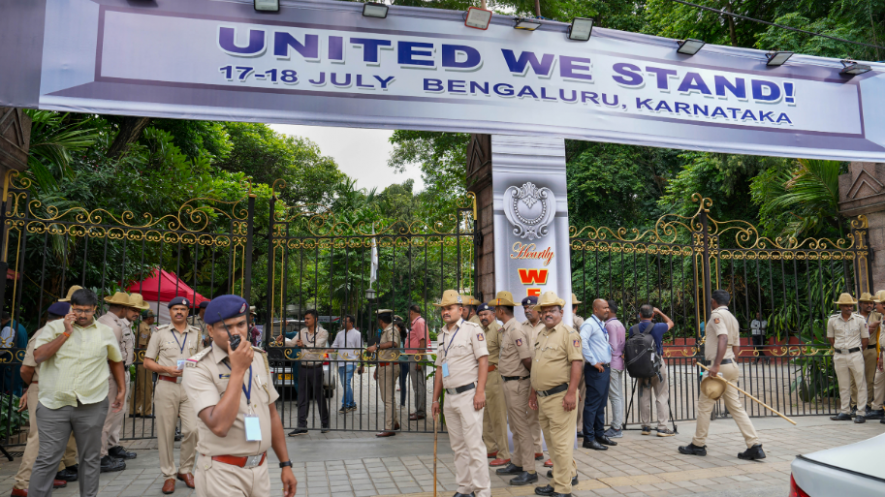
(252, 461)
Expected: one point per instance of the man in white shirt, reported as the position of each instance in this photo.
(349, 343)
(757, 330)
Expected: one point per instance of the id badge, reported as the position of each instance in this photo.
(445, 368)
(253, 428)
(180, 364)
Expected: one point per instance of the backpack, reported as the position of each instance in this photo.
(641, 353)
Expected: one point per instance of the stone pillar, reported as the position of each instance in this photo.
(862, 192)
(479, 181)
(15, 137)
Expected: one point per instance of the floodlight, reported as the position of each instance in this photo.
(777, 58)
(377, 10)
(478, 18)
(580, 29)
(690, 46)
(852, 68)
(527, 24)
(266, 5)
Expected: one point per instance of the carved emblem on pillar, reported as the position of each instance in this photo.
(529, 209)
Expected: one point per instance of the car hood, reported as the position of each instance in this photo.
(862, 457)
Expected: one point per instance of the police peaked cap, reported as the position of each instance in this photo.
(203, 304)
(60, 308)
(530, 300)
(225, 307)
(484, 307)
(179, 301)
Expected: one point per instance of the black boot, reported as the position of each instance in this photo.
(574, 479)
(524, 478)
(753, 453)
(593, 444)
(693, 450)
(110, 464)
(121, 453)
(511, 469)
(841, 417)
(68, 474)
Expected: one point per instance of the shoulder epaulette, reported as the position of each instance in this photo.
(257, 349)
(192, 361)
(164, 326)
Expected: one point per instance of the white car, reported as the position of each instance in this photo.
(854, 470)
(285, 377)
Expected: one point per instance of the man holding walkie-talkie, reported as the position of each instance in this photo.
(229, 385)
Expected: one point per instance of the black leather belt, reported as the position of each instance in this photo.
(726, 361)
(456, 391)
(554, 390)
(873, 346)
(848, 351)
(514, 378)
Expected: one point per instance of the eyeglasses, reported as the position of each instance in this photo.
(82, 311)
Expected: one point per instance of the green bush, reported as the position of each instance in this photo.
(11, 420)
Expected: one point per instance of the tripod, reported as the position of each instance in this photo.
(630, 407)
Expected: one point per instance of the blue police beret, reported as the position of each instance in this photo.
(225, 307)
(60, 308)
(179, 301)
(203, 304)
(484, 307)
(530, 300)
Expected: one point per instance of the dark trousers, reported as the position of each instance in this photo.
(310, 384)
(403, 376)
(595, 401)
(758, 342)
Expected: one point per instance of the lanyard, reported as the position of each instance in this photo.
(599, 323)
(445, 348)
(180, 345)
(247, 393)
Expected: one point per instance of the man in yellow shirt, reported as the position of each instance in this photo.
(76, 355)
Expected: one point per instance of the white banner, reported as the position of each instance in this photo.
(323, 63)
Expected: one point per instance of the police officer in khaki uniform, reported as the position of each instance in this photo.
(387, 372)
(867, 304)
(515, 364)
(166, 355)
(577, 321)
(141, 404)
(721, 356)
(876, 411)
(494, 423)
(112, 455)
(848, 334)
(462, 366)
(197, 320)
(532, 327)
(468, 310)
(231, 391)
(556, 371)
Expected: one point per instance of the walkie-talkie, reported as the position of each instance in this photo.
(234, 339)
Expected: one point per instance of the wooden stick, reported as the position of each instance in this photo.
(435, 433)
(739, 389)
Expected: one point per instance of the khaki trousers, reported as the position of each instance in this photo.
(559, 432)
(869, 374)
(464, 424)
(735, 407)
(494, 419)
(535, 427)
(216, 479)
(143, 397)
(172, 403)
(516, 397)
(113, 423)
(32, 446)
(582, 399)
(660, 390)
(879, 387)
(387, 379)
(851, 366)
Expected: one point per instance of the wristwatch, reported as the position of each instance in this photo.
(287, 464)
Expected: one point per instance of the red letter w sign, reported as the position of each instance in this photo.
(533, 276)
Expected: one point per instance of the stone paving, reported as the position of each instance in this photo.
(356, 464)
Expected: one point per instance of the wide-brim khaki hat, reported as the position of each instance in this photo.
(469, 300)
(866, 297)
(71, 293)
(548, 299)
(713, 387)
(879, 297)
(575, 300)
(503, 298)
(136, 301)
(845, 299)
(450, 297)
(118, 298)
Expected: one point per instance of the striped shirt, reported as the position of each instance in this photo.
(79, 371)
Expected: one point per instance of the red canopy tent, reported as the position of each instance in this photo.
(165, 286)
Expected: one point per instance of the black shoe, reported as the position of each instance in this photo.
(860, 419)
(325, 429)
(177, 435)
(593, 444)
(841, 417)
(854, 411)
(646, 430)
(121, 453)
(471, 494)
(545, 490)
(753, 453)
(693, 450)
(151, 416)
(882, 421)
(110, 464)
(298, 431)
(135, 415)
(524, 478)
(574, 480)
(875, 414)
(511, 469)
(68, 474)
(604, 440)
(580, 434)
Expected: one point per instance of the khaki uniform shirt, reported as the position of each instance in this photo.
(29, 356)
(125, 337)
(197, 322)
(461, 350)
(206, 376)
(475, 319)
(722, 322)
(578, 320)
(514, 348)
(493, 341)
(848, 334)
(390, 334)
(167, 346)
(144, 335)
(555, 351)
(319, 339)
(874, 317)
(531, 332)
